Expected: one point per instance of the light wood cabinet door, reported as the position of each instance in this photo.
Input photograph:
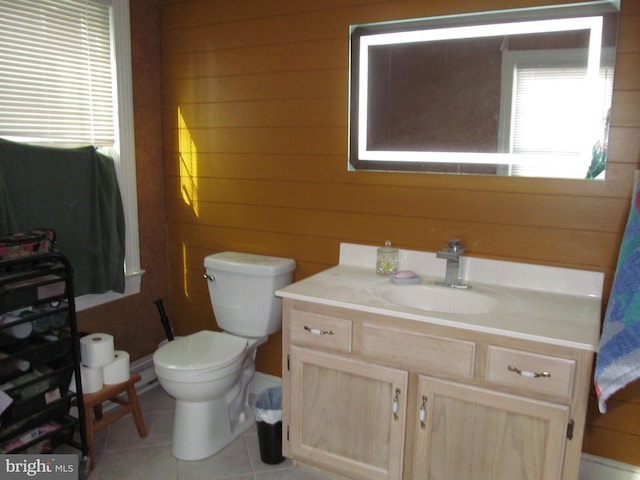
(346, 415)
(471, 433)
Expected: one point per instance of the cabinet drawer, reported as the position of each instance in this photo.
(532, 371)
(318, 331)
(425, 353)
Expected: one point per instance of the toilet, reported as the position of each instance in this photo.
(208, 372)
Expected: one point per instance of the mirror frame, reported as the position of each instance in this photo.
(563, 18)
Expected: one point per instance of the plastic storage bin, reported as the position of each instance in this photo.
(268, 411)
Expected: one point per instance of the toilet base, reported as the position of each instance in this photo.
(203, 425)
(203, 429)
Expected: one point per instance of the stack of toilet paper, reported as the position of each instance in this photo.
(101, 364)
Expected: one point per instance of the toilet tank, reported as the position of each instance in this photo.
(242, 290)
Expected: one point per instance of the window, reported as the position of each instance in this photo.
(66, 81)
(544, 112)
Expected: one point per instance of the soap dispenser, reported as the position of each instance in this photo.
(387, 261)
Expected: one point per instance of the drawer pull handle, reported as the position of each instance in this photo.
(317, 331)
(528, 373)
(423, 412)
(396, 405)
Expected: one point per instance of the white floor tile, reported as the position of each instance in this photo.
(122, 455)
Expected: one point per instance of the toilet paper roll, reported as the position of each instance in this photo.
(117, 371)
(96, 350)
(22, 330)
(91, 379)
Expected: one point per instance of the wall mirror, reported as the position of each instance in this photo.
(522, 92)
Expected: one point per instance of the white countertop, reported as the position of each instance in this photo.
(546, 304)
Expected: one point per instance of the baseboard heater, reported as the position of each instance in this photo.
(144, 367)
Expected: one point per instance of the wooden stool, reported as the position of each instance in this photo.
(93, 409)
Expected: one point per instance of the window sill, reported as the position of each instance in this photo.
(132, 287)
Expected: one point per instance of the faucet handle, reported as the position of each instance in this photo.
(454, 245)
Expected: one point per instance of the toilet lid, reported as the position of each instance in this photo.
(202, 350)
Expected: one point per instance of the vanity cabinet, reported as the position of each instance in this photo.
(475, 433)
(371, 396)
(347, 413)
(342, 411)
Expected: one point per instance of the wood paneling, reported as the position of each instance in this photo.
(257, 93)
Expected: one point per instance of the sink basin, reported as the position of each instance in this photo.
(435, 298)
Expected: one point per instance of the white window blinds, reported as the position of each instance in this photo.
(551, 117)
(550, 107)
(56, 82)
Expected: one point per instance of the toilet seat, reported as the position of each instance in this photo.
(205, 353)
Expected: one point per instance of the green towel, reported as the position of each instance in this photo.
(75, 192)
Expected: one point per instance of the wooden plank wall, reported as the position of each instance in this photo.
(255, 145)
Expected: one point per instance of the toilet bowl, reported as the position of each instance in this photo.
(209, 372)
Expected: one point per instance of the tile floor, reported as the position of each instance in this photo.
(122, 455)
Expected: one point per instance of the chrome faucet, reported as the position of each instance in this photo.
(452, 255)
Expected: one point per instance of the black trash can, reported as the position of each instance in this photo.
(268, 411)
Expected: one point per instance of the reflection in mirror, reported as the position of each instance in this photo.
(516, 93)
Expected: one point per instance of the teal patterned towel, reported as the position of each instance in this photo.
(618, 361)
